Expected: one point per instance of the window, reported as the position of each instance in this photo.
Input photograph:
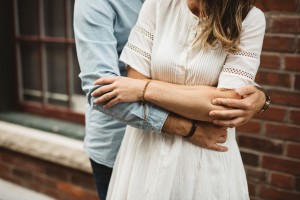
(47, 65)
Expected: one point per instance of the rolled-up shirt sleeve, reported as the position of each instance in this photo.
(98, 57)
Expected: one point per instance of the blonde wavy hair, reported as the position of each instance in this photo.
(222, 22)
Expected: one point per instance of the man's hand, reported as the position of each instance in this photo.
(240, 110)
(206, 134)
(209, 136)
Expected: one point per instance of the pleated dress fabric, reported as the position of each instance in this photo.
(159, 166)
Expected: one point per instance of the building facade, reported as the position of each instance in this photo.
(40, 94)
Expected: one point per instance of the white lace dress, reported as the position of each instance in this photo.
(157, 166)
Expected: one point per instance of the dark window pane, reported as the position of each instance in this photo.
(76, 70)
(29, 55)
(58, 101)
(30, 66)
(28, 17)
(56, 68)
(29, 96)
(71, 30)
(54, 18)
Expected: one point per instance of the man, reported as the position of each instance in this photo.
(101, 31)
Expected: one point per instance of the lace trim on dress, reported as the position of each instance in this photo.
(247, 54)
(139, 51)
(239, 72)
(144, 32)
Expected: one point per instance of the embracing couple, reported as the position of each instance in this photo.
(167, 82)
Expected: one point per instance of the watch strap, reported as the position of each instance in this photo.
(267, 102)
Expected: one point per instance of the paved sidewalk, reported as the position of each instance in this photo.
(10, 191)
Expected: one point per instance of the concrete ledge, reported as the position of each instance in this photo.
(44, 145)
(59, 127)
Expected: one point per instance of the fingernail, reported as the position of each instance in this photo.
(214, 101)
(211, 113)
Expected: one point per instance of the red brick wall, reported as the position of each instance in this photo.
(270, 144)
(46, 177)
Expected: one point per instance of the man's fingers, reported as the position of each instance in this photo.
(216, 147)
(221, 140)
(246, 90)
(226, 114)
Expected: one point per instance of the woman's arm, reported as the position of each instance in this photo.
(237, 112)
(193, 102)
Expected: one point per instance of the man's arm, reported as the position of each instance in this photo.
(206, 134)
(98, 57)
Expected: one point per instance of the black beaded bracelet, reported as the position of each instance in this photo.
(192, 131)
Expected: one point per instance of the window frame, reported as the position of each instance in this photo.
(44, 108)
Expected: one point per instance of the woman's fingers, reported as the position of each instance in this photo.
(243, 109)
(107, 87)
(111, 103)
(105, 97)
(230, 123)
(246, 90)
(102, 90)
(226, 114)
(232, 103)
(106, 80)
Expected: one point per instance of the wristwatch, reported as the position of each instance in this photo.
(267, 102)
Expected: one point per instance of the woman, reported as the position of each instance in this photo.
(200, 42)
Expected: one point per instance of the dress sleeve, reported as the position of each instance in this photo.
(241, 67)
(137, 51)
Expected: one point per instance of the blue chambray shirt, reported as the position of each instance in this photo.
(101, 30)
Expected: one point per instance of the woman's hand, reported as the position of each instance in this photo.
(241, 110)
(118, 89)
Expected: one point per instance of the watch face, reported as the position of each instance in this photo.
(268, 101)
